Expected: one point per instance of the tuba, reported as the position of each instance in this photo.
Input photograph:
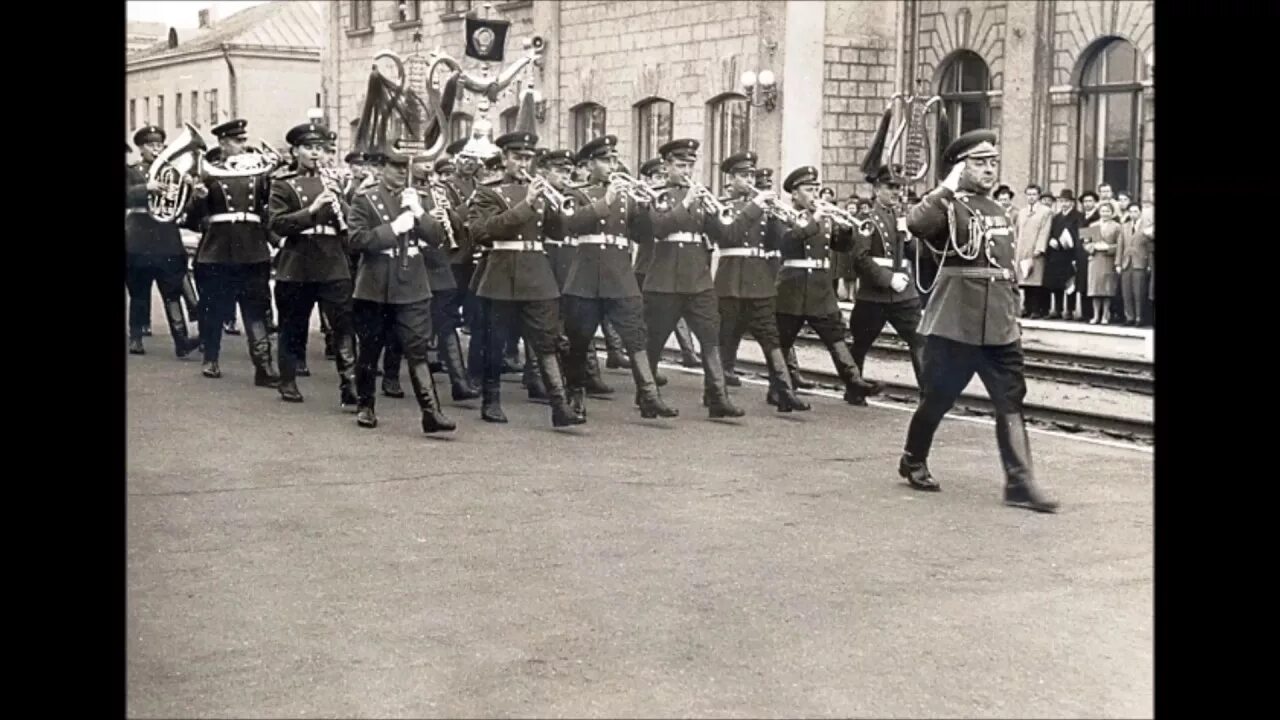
(180, 160)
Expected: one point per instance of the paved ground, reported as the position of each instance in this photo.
(284, 563)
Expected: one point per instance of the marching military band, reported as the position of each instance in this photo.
(399, 254)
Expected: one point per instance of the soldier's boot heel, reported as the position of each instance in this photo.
(451, 354)
(562, 415)
(916, 472)
(366, 384)
(491, 405)
(616, 357)
(264, 374)
(780, 383)
(793, 367)
(855, 386)
(595, 384)
(1020, 488)
(183, 344)
(533, 379)
(424, 389)
(717, 395)
(688, 357)
(647, 397)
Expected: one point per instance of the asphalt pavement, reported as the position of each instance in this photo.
(283, 562)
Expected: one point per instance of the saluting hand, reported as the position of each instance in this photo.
(952, 182)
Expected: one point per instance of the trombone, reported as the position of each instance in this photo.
(640, 192)
(558, 201)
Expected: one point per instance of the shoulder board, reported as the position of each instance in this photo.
(286, 175)
(492, 182)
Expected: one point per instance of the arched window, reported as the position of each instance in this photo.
(963, 87)
(588, 123)
(730, 128)
(459, 126)
(653, 127)
(507, 120)
(1110, 118)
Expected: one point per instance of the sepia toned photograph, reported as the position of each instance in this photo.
(639, 358)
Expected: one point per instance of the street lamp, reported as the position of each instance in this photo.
(761, 89)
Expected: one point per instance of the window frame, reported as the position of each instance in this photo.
(457, 119)
(160, 112)
(715, 137)
(458, 8)
(354, 25)
(954, 99)
(146, 110)
(211, 103)
(177, 110)
(133, 114)
(195, 108)
(647, 146)
(512, 113)
(1091, 116)
(584, 125)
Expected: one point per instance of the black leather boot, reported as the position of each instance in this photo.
(561, 414)
(616, 357)
(433, 356)
(210, 369)
(916, 471)
(855, 386)
(780, 383)
(345, 359)
(366, 395)
(730, 355)
(183, 344)
(647, 397)
(288, 373)
(330, 345)
(717, 394)
(511, 356)
(688, 357)
(135, 345)
(146, 330)
(595, 384)
(229, 327)
(577, 400)
(451, 354)
(532, 377)
(391, 361)
(264, 374)
(491, 405)
(424, 389)
(793, 367)
(1020, 488)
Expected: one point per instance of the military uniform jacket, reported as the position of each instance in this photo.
(237, 243)
(874, 257)
(143, 234)
(975, 300)
(382, 277)
(604, 271)
(749, 277)
(683, 268)
(808, 292)
(464, 253)
(502, 214)
(313, 250)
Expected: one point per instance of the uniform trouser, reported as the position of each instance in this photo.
(868, 318)
(581, 318)
(376, 324)
(478, 322)
(222, 285)
(738, 315)
(830, 328)
(166, 272)
(947, 367)
(662, 311)
(1133, 284)
(445, 313)
(295, 300)
(538, 321)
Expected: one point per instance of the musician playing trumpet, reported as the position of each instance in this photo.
(678, 283)
(600, 285)
(805, 292)
(307, 210)
(745, 280)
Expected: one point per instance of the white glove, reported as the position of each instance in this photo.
(410, 199)
(899, 282)
(402, 224)
(952, 182)
(1053, 243)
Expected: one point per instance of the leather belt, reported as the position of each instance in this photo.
(807, 264)
(412, 251)
(742, 252)
(518, 245)
(773, 253)
(136, 211)
(978, 272)
(556, 243)
(683, 237)
(234, 217)
(887, 262)
(319, 230)
(601, 239)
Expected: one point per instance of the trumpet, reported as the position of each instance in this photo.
(843, 218)
(712, 204)
(640, 192)
(778, 210)
(558, 201)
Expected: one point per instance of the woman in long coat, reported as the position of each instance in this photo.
(1060, 266)
(1101, 243)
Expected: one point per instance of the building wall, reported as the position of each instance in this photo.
(182, 77)
(274, 94)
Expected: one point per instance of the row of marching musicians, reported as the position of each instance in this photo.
(772, 279)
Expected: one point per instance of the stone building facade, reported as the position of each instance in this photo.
(1066, 83)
